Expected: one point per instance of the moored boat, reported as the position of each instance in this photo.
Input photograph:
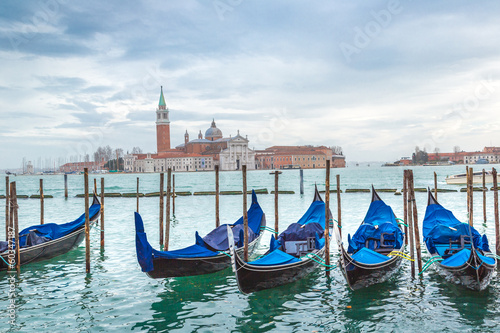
(461, 178)
(375, 250)
(206, 256)
(459, 247)
(46, 241)
(296, 253)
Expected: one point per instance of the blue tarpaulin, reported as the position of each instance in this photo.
(379, 219)
(440, 225)
(460, 258)
(276, 257)
(367, 256)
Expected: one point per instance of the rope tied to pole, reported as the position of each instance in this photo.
(400, 254)
(429, 263)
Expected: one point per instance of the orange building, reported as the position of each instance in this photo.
(297, 157)
(162, 126)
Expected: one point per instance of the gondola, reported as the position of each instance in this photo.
(297, 252)
(375, 250)
(459, 248)
(46, 241)
(206, 256)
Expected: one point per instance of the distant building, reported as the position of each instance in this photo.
(30, 170)
(297, 157)
(80, 166)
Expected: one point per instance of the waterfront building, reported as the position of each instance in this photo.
(298, 157)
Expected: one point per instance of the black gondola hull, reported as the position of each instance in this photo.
(168, 268)
(359, 275)
(468, 275)
(254, 278)
(50, 249)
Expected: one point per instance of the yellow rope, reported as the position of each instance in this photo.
(401, 254)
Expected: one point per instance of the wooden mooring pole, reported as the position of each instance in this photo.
(15, 222)
(409, 220)
(301, 181)
(162, 207)
(327, 218)
(435, 186)
(276, 215)
(468, 189)
(65, 186)
(41, 202)
(339, 206)
(245, 215)
(167, 211)
(484, 195)
(471, 197)
(405, 206)
(173, 195)
(87, 226)
(102, 213)
(217, 218)
(137, 195)
(495, 204)
(7, 208)
(416, 231)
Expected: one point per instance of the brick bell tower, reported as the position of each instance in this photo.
(162, 126)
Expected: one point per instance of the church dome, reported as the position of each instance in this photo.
(213, 133)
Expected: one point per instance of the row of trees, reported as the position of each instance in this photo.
(110, 156)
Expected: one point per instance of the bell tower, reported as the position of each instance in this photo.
(162, 126)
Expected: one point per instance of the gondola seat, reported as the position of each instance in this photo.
(385, 244)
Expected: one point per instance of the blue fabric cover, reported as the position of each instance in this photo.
(203, 247)
(53, 231)
(381, 215)
(367, 256)
(276, 257)
(315, 213)
(436, 229)
(274, 244)
(298, 232)
(217, 238)
(460, 258)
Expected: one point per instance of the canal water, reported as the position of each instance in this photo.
(58, 296)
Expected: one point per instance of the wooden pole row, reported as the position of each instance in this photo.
(137, 193)
(66, 186)
(435, 186)
(405, 206)
(409, 221)
(327, 218)
(173, 195)
(276, 216)
(470, 193)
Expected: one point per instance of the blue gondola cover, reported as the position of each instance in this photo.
(379, 219)
(440, 225)
(367, 256)
(276, 257)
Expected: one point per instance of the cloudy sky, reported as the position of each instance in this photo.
(375, 77)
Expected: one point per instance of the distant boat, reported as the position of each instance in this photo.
(461, 179)
(482, 161)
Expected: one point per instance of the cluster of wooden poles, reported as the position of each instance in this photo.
(410, 211)
(411, 215)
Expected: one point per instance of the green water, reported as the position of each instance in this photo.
(57, 295)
